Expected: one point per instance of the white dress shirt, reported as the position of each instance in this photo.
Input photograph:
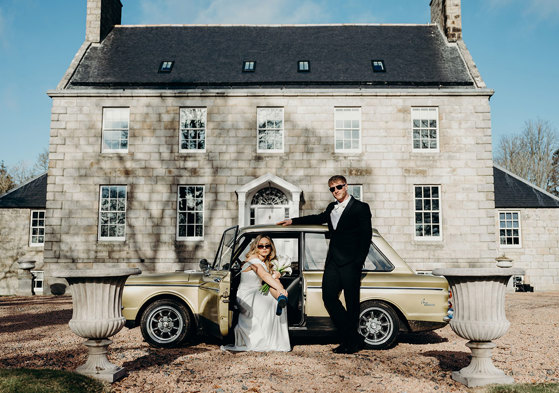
(336, 213)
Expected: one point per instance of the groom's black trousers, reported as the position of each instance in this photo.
(347, 278)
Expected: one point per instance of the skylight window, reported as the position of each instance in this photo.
(378, 66)
(249, 65)
(304, 66)
(166, 66)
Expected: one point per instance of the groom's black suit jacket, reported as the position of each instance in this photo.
(350, 241)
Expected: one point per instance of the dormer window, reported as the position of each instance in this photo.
(249, 65)
(166, 66)
(378, 66)
(304, 66)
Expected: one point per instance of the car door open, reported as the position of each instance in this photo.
(215, 288)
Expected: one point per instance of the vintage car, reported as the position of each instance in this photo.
(170, 307)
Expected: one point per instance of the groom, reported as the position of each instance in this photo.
(349, 224)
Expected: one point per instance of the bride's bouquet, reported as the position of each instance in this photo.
(282, 265)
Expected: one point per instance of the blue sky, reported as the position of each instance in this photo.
(513, 42)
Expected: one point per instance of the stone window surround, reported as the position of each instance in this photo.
(259, 110)
(186, 237)
(358, 187)
(338, 112)
(500, 245)
(437, 131)
(38, 227)
(104, 115)
(107, 238)
(181, 129)
(432, 239)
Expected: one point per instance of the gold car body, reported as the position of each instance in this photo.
(421, 301)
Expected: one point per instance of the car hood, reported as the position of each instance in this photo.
(168, 279)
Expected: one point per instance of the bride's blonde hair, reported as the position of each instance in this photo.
(254, 246)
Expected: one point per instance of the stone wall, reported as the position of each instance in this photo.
(14, 246)
(153, 168)
(538, 253)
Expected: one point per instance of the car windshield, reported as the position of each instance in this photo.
(316, 248)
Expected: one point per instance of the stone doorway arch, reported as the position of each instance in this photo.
(267, 199)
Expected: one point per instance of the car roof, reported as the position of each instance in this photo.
(289, 228)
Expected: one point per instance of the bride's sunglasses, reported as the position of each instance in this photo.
(338, 187)
(266, 246)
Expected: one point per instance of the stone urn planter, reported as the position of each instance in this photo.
(479, 316)
(97, 315)
(25, 278)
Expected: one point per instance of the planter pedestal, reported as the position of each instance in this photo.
(478, 298)
(25, 278)
(97, 306)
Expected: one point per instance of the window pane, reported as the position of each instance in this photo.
(191, 200)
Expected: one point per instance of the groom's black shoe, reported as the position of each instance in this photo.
(282, 302)
(349, 348)
(340, 349)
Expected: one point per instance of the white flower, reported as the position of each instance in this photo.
(281, 265)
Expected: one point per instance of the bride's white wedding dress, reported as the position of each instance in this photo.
(259, 328)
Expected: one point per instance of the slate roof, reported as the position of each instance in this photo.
(31, 195)
(514, 192)
(212, 56)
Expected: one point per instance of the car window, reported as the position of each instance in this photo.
(287, 246)
(376, 261)
(223, 256)
(316, 248)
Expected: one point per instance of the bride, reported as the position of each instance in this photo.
(262, 325)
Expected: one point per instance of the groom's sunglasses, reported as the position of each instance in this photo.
(261, 246)
(338, 187)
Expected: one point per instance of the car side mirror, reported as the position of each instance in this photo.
(204, 265)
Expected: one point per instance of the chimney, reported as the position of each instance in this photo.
(102, 16)
(448, 15)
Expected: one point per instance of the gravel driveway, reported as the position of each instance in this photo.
(34, 333)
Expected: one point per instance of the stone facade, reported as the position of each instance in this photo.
(387, 168)
(538, 252)
(14, 247)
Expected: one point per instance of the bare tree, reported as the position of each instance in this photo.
(554, 181)
(530, 153)
(42, 163)
(6, 181)
(22, 171)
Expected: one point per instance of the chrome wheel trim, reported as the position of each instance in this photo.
(375, 325)
(164, 324)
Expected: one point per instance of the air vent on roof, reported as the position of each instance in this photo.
(378, 66)
(249, 66)
(166, 66)
(304, 66)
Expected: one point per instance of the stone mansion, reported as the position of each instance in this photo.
(163, 136)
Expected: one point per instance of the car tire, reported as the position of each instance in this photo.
(379, 325)
(165, 323)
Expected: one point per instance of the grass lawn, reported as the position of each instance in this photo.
(24, 380)
(525, 388)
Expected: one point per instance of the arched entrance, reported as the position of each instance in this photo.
(268, 206)
(267, 200)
